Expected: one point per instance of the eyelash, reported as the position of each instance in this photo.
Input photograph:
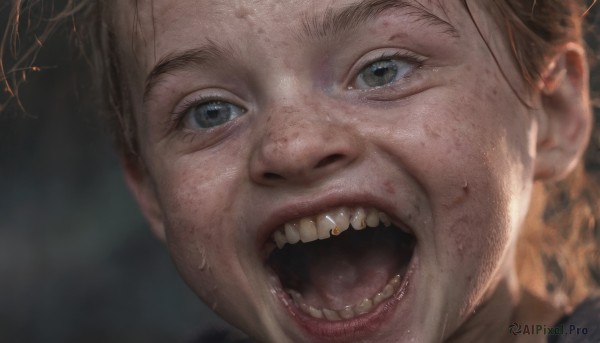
(404, 56)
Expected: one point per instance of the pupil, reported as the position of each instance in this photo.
(379, 72)
(213, 113)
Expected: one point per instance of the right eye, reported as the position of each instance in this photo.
(208, 114)
(381, 73)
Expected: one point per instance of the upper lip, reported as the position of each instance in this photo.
(312, 205)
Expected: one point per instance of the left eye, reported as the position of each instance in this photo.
(212, 113)
(382, 73)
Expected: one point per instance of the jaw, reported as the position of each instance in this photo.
(426, 305)
(416, 310)
(422, 306)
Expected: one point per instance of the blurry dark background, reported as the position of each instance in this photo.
(77, 262)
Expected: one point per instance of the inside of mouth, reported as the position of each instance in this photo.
(344, 270)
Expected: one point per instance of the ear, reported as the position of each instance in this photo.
(565, 119)
(140, 184)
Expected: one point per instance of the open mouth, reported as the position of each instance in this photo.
(341, 264)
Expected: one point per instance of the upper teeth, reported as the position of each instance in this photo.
(333, 222)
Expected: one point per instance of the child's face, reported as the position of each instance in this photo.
(291, 109)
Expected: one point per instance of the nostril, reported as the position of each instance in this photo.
(329, 160)
(272, 176)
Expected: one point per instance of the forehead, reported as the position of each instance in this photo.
(162, 25)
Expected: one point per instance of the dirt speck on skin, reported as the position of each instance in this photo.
(466, 187)
(462, 195)
(242, 12)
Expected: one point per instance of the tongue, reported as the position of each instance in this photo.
(351, 268)
(339, 279)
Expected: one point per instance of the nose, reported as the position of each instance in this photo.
(301, 149)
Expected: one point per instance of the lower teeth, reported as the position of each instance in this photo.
(348, 312)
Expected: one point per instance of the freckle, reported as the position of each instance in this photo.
(242, 12)
(388, 187)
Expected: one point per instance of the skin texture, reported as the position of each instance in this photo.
(449, 149)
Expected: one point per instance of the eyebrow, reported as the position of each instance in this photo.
(170, 63)
(333, 22)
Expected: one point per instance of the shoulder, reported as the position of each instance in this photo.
(582, 325)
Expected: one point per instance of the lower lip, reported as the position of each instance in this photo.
(355, 329)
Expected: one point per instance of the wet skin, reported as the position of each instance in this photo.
(445, 147)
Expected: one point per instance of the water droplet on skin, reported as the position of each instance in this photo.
(204, 265)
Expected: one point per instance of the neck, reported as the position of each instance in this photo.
(509, 303)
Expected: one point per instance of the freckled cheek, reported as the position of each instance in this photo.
(198, 227)
(473, 256)
(469, 200)
(476, 242)
(199, 241)
(474, 239)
